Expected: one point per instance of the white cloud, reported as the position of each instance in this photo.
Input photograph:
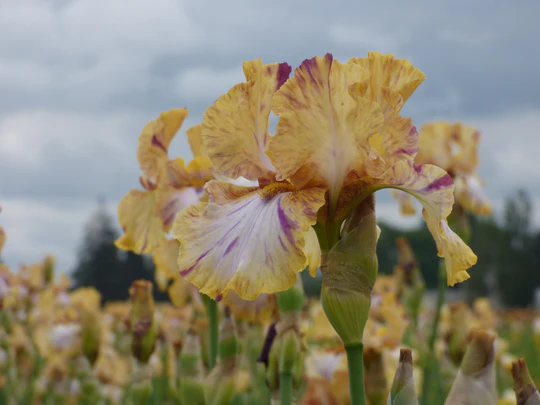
(367, 37)
(206, 83)
(35, 229)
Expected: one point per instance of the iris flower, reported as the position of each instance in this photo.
(339, 139)
(169, 185)
(454, 147)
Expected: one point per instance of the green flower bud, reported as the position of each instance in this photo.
(349, 271)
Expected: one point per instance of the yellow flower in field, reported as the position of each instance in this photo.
(3, 238)
(261, 310)
(169, 185)
(454, 148)
(339, 139)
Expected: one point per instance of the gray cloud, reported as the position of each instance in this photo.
(80, 78)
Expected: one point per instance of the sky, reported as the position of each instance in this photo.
(80, 78)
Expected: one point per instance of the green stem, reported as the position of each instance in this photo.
(211, 307)
(286, 388)
(428, 372)
(355, 360)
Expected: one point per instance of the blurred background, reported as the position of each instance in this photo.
(80, 78)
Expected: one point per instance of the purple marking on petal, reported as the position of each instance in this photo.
(444, 181)
(185, 272)
(283, 73)
(285, 224)
(238, 209)
(157, 142)
(283, 244)
(219, 297)
(231, 246)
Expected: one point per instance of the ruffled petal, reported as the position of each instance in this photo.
(245, 240)
(434, 188)
(313, 252)
(323, 131)
(261, 310)
(154, 141)
(458, 257)
(470, 195)
(165, 257)
(235, 128)
(405, 202)
(3, 238)
(139, 218)
(195, 140)
(386, 72)
(179, 291)
(173, 200)
(453, 147)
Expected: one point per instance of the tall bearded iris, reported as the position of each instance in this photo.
(339, 139)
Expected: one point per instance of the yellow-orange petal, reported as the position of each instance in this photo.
(458, 257)
(179, 291)
(154, 141)
(251, 242)
(434, 188)
(171, 201)
(3, 238)
(313, 252)
(200, 171)
(323, 131)
(195, 140)
(387, 72)
(451, 146)
(165, 257)
(470, 195)
(260, 310)
(405, 202)
(235, 128)
(139, 218)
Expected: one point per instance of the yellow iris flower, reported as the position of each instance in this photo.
(169, 186)
(454, 147)
(339, 139)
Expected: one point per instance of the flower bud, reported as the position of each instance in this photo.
(475, 382)
(142, 320)
(349, 272)
(526, 392)
(375, 377)
(403, 390)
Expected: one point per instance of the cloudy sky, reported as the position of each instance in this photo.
(80, 78)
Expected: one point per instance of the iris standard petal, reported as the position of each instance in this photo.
(235, 128)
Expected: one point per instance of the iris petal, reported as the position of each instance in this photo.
(245, 241)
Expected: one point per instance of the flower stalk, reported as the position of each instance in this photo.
(349, 271)
(213, 330)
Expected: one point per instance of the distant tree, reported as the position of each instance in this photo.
(517, 269)
(99, 264)
(487, 238)
(102, 266)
